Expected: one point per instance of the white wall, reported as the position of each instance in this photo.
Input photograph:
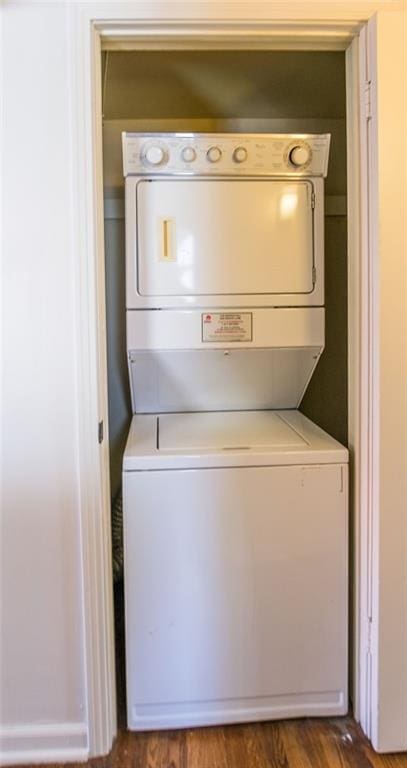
(42, 685)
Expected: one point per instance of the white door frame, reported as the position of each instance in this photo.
(205, 24)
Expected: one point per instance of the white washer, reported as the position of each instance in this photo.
(235, 513)
(235, 556)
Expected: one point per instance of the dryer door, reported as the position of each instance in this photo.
(208, 238)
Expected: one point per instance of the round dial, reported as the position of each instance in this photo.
(155, 155)
(188, 154)
(214, 154)
(300, 155)
(240, 154)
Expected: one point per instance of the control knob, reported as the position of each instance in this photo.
(300, 155)
(240, 154)
(154, 155)
(188, 154)
(214, 154)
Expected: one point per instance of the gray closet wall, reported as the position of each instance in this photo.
(247, 91)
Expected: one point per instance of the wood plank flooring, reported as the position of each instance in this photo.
(305, 743)
(308, 743)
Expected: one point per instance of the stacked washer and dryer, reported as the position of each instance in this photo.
(235, 504)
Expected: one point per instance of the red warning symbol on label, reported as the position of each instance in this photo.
(208, 319)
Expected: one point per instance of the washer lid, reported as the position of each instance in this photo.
(227, 439)
(222, 431)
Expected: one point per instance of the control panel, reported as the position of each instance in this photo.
(206, 154)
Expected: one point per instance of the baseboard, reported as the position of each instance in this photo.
(43, 743)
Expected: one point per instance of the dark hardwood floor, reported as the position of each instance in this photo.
(305, 743)
(309, 743)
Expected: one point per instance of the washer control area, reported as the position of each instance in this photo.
(250, 154)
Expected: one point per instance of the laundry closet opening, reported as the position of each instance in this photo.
(228, 91)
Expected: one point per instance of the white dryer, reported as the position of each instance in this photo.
(235, 504)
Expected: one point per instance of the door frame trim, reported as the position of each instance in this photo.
(90, 27)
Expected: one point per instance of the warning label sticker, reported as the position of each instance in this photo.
(227, 326)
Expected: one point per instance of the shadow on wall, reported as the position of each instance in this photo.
(326, 398)
(118, 380)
